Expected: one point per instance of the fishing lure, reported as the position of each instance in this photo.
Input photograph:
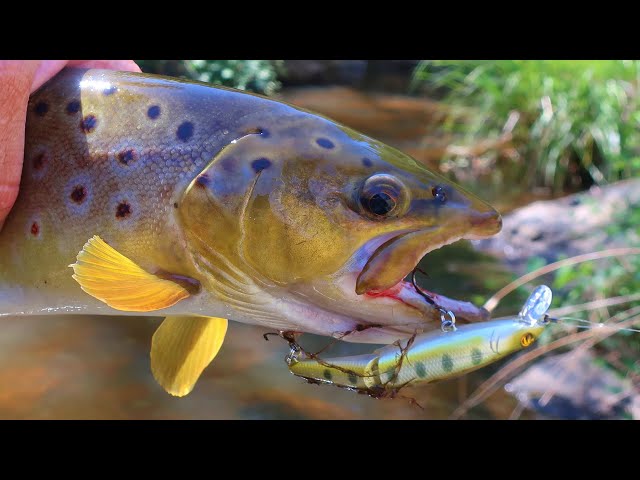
(432, 356)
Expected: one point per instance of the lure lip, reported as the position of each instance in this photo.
(534, 310)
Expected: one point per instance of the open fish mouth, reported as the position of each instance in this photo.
(384, 275)
(394, 258)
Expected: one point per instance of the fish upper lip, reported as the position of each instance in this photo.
(387, 243)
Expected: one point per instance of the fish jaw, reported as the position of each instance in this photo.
(371, 287)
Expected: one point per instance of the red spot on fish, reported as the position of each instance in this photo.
(127, 156)
(123, 210)
(35, 229)
(202, 181)
(40, 160)
(78, 194)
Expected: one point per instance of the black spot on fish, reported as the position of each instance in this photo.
(153, 112)
(202, 181)
(420, 370)
(325, 143)
(260, 164)
(110, 90)
(476, 356)
(175, 205)
(40, 160)
(41, 108)
(35, 229)
(353, 379)
(123, 210)
(185, 131)
(327, 374)
(88, 123)
(366, 162)
(128, 156)
(78, 194)
(447, 362)
(73, 107)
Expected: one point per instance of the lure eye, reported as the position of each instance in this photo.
(381, 196)
(527, 339)
(439, 194)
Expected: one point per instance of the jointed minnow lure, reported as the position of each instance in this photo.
(201, 204)
(432, 356)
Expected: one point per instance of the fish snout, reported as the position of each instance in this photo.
(485, 224)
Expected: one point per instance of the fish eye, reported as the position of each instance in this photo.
(439, 194)
(527, 339)
(381, 195)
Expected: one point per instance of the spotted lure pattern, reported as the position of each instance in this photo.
(432, 356)
(178, 199)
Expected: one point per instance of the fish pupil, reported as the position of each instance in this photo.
(381, 203)
(439, 194)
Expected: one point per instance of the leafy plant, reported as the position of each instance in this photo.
(568, 124)
(260, 76)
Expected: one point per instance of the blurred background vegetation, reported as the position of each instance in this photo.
(512, 131)
(570, 124)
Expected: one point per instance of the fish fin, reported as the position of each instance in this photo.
(181, 349)
(112, 278)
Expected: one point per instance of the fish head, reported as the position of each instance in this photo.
(333, 218)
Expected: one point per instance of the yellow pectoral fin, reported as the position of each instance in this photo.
(181, 349)
(112, 278)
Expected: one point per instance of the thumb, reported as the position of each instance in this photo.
(16, 77)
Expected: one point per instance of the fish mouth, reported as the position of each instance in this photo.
(383, 275)
(396, 258)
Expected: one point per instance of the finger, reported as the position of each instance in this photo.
(123, 65)
(46, 70)
(16, 78)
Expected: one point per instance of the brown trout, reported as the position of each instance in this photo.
(201, 204)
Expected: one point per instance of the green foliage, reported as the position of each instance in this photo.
(606, 278)
(260, 76)
(576, 122)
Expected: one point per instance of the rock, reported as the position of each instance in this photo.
(324, 72)
(384, 75)
(573, 386)
(568, 226)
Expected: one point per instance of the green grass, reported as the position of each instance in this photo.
(577, 121)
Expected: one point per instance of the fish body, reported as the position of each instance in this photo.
(433, 356)
(177, 198)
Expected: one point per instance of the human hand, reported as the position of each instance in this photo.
(18, 79)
